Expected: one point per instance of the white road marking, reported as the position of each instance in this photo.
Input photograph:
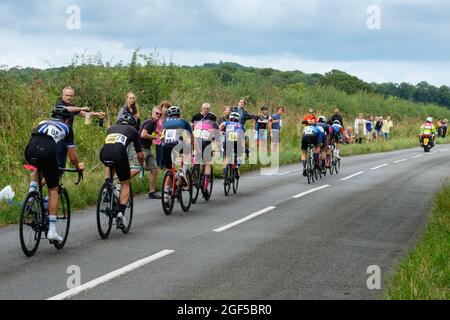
(311, 191)
(418, 156)
(402, 160)
(443, 150)
(432, 152)
(289, 172)
(382, 166)
(353, 175)
(111, 275)
(235, 223)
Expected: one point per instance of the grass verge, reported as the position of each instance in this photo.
(425, 273)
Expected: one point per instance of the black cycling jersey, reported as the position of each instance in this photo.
(325, 126)
(123, 135)
(200, 117)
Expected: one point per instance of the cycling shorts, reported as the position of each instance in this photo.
(117, 154)
(309, 139)
(41, 153)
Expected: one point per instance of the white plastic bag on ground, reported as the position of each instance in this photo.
(7, 193)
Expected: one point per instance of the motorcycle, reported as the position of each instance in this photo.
(427, 142)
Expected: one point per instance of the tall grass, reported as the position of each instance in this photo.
(425, 273)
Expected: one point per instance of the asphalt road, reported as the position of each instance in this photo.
(315, 246)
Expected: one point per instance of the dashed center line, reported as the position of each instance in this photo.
(418, 156)
(235, 223)
(381, 166)
(401, 160)
(352, 176)
(311, 191)
(111, 275)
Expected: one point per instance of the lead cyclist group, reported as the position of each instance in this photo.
(52, 140)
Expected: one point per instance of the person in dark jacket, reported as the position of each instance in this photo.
(337, 116)
(244, 117)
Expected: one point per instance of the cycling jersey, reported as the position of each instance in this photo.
(234, 136)
(311, 135)
(336, 132)
(326, 131)
(57, 130)
(175, 131)
(118, 138)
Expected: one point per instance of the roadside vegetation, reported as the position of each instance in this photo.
(425, 273)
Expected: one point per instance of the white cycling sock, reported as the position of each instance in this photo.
(33, 186)
(52, 226)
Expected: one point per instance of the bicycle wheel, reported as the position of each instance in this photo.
(337, 166)
(235, 181)
(185, 192)
(196, 183)
(128, 213)
(167, 199)
(227, 180)
(210, 185)
(63, 218)
(105, 211)
(29, 228)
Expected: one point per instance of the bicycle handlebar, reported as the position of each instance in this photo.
(80, 174)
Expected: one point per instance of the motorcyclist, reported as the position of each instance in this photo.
(428, 128)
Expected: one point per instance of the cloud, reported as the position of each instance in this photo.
(414, 33)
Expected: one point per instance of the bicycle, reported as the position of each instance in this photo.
(231, 177)
(180, 188)
(311, 170)
(198, 181)
(335, 161)
(108, 202)
(34, 219)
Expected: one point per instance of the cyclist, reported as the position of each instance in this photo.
(118, 138)
(427, 128)
(176, 131)
(336, 135)
(41, 152)
(203, 125)
(234, 136)
(311, 135)
(322, 123)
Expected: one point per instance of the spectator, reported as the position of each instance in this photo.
(132, 107)
(244, 115)
(311, 117)
(337, 116)
(378, 127)
(67, 98)
(439, 127)
(277, 124)
(360, 128)
(444, 127)
(226, 114)
(349, 137)
(387, 126)
(369, 129)
(262, 127)
(149, 132)
(164, 106)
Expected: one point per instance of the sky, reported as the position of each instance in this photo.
(376, 40)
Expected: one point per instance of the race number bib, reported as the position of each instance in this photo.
(308, 130)
(55, 133)
(230, 128)
(203, 134)
(170, 135)
(114, 138)
(232, 136)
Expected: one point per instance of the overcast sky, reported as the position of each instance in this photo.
(412, 45)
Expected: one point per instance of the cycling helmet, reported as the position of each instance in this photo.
(60, 112)
(127, 119)
(322, 119)
(174, 111)
(429, 119)
(236, 116)
(337, 122)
